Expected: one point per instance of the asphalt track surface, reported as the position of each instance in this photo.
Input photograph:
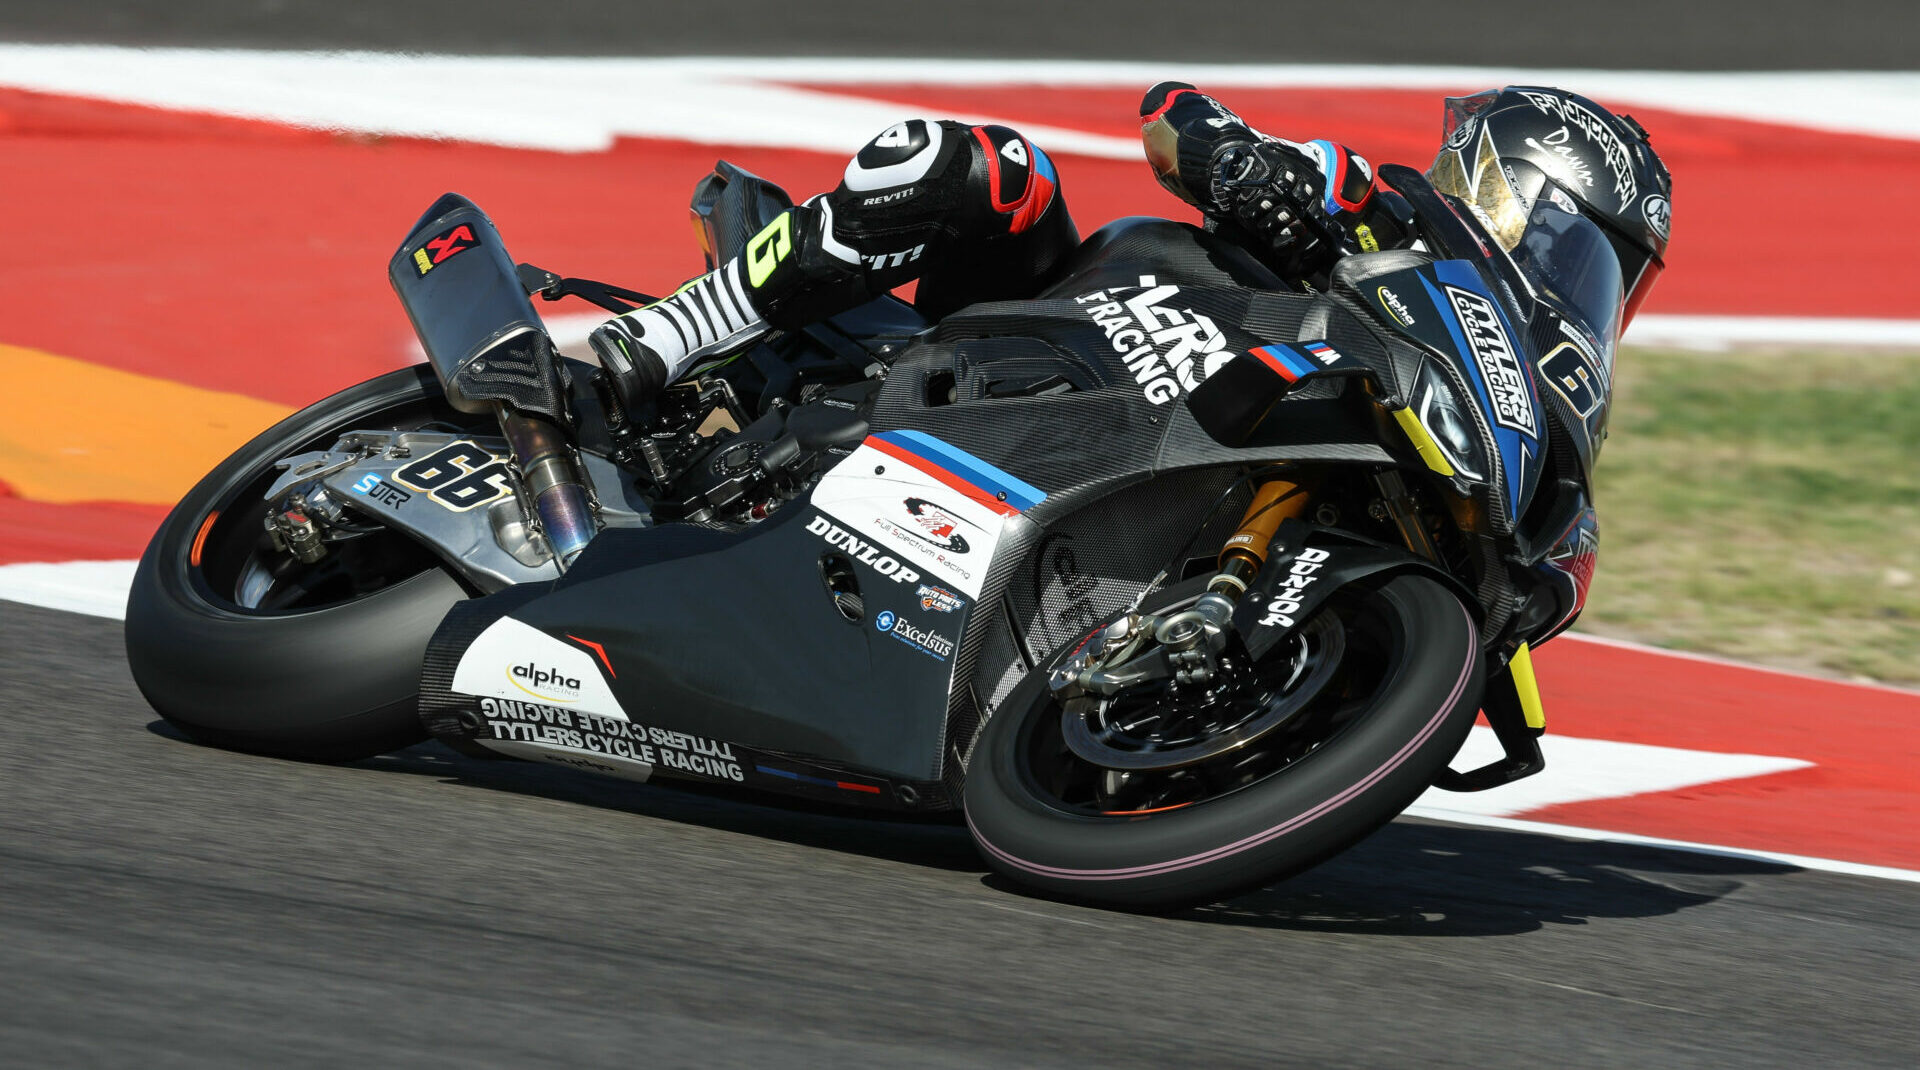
(167, 904)
(170, 904)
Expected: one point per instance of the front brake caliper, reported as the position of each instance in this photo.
(1142, 647)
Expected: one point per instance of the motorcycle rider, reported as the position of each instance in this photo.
(976, 213)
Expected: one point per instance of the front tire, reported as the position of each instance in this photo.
(302, 663)
(1395, 712)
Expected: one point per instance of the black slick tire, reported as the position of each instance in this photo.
(1359, 779)
(334, 683)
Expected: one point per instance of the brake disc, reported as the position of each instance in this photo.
(1171, 728)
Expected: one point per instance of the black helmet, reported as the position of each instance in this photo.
(1508, 149)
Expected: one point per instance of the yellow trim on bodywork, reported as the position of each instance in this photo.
(1422, 440)
(1522, 669)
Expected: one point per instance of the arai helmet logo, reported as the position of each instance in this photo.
(1659, 214)
(550, 684)
(1166, 348)
(1506, 379)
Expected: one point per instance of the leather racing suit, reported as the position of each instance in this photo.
(976, 213)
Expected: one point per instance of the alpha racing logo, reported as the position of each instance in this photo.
(867, 553)
(549, 684)
(932, 644)
(1392, 303)
(1165, 348)
(1285, 604)
(1506, 379)
(937, 526)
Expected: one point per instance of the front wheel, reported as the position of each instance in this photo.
(240, 646)
(1165, 797)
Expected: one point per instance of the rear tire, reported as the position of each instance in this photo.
(325, 677)
(1389, 721)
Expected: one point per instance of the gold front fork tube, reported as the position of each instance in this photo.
(1244, 553)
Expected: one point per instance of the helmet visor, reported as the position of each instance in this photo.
(1570, 259)
(1641, 269)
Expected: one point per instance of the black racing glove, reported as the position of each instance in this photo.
(1273, 192)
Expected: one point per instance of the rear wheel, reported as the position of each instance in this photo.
(1162, 797)
(240, 645)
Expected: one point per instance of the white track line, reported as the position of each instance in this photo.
(1722, 332)
(1571, 832)
(572, 104)
(96, 588)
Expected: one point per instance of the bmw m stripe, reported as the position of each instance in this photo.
(1287, 362)
(1000, 491)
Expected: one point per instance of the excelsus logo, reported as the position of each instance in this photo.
(550, 684)
(867, 553)
(1166, 348)
(932, 644)
(1506, 380)
(1286, 600)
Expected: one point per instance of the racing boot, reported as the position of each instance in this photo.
(644, 350)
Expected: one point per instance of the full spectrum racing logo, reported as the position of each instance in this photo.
(937, 526)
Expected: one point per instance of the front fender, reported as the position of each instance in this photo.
(1307, 565)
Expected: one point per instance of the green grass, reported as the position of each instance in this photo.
(1765, 506)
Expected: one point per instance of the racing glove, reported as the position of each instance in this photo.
(1274, 192)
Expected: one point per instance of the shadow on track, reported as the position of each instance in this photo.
(934, 841)
(1409, 879)
(1446, 880)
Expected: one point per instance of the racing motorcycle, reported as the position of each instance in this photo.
(1174, 581)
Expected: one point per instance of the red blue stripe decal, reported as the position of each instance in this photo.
(843, 785)
(954, 467)
(1288, 363)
